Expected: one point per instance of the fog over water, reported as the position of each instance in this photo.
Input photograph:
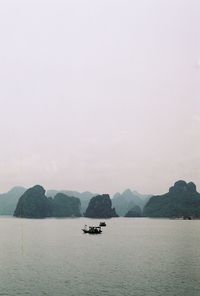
(99, 95)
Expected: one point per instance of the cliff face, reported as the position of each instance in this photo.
(182, 200)
(33, 204)
(100, 206)
(65, 206)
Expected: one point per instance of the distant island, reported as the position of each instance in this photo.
(9, 200)
(122, 202)
(135, 212)
(182, 201)
(127, 200)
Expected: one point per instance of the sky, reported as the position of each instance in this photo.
(99, 95)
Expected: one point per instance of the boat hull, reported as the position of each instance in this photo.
(92, 232)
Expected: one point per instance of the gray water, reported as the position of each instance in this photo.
(131, 257)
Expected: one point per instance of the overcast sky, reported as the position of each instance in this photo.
(99, 95)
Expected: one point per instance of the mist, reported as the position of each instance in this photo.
(99, 95)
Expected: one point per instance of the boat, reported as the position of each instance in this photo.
(102, 224)
(92, 229)
(187, 218)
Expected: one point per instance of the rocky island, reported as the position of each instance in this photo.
(65, 206)
(182, 200)
(100, 206)
(34, 204)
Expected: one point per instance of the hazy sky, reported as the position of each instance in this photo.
(99, 95)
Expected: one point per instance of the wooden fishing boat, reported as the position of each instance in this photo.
(92, 229)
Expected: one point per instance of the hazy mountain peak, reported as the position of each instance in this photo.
(8, 200)
(136, 192)
(127, 192)
(16, 189)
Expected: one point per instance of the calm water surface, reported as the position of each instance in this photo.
(131, 257)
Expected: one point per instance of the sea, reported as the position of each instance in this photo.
(132, 257)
